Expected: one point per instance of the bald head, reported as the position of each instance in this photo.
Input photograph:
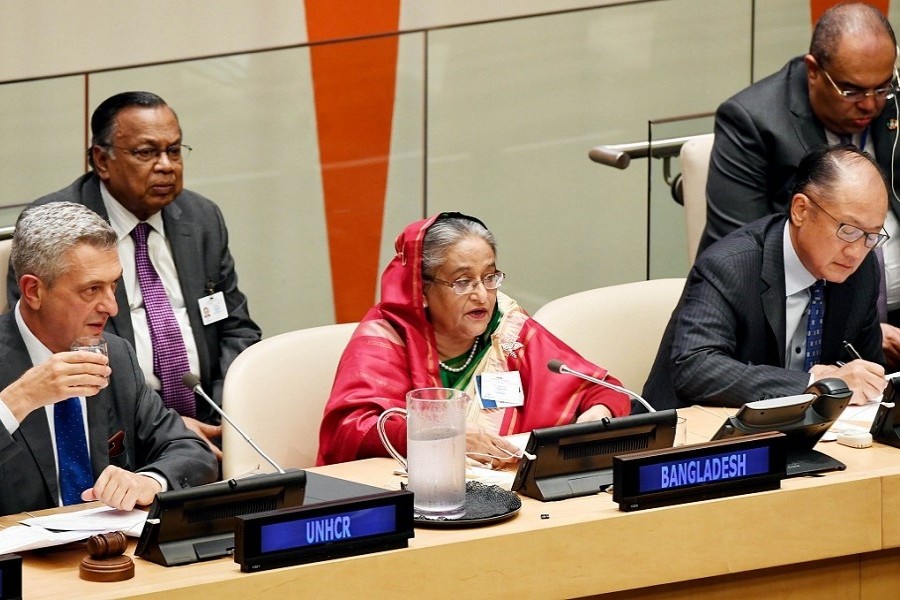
(837, 211)
(854, 20)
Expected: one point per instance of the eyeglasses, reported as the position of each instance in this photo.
(885, 93)
(467, 286)
(148, 154)
(851, 233)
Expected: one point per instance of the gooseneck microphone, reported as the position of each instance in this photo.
(193, 382)
(557, 366)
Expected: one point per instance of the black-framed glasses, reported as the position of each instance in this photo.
(466, 286)
(884, 93)
(148, 154)
(851, 233)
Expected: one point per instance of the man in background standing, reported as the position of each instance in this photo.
(843, 91)
(173, 246)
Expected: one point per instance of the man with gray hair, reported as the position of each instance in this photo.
(78, 426)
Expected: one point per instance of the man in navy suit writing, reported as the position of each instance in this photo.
(766, 309)
(843, 90)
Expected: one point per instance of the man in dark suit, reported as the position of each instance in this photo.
(842, 91)
(740, 331)
(137, 157)
(120, 445)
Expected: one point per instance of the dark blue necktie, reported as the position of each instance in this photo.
(71, 451)
(814, 324)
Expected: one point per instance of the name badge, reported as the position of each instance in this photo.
(500, 390)
(212, 308)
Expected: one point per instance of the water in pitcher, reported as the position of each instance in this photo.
(436, 475)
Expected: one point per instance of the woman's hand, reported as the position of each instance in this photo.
(490, 450)
(594, 413)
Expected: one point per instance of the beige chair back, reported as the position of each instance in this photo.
(694, 170)
(617, 327)
(5, 248)
(276, 391)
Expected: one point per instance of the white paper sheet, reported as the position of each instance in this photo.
(93, 520)
(19, 538)
(63, 528)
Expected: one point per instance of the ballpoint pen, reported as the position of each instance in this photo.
(851, 350)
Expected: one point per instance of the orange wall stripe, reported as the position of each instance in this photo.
(354, 85)
(817, 7)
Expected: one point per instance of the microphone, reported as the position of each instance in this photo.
(557, 366)
(193, 382)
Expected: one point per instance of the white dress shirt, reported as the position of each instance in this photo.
(797, 281)
(123, 222)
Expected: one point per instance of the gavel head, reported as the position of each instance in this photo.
(105, 545)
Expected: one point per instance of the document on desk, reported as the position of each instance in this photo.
(502, 478)
(59, 529)
(94, 520)
(854, 419)
(20, 538)
(861, 416)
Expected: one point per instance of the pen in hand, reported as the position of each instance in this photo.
(851, 350)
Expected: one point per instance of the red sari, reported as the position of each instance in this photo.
(393, 351)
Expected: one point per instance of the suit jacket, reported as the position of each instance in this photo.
(725, 342)
(155, 437)
(199, 240)
(761, 134)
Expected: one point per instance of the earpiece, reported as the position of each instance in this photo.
(896, 129)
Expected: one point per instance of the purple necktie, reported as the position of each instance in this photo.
(170, 361)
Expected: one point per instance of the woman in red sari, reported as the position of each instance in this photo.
(442, 322)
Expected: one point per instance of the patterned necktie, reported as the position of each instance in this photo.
(75, 474)
(814, 323)
(170, 360)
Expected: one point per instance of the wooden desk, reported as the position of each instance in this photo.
(830, 536)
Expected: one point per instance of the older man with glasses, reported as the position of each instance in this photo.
(786, 300)
(843, 91)
(178, 300)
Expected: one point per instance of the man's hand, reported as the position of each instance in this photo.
(890, 343)
(65, 375)
(594, 413)
(206, 432)
(865, 379)
(122, 489)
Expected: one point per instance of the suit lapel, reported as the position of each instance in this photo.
(186, 250)
(35, 434)
(809, 131)
(187, 253)
(98, 410)
(773, 277)
(883, 141)
(34, 431)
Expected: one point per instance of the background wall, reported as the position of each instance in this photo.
(489, 108)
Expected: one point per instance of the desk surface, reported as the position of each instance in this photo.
(583, 546)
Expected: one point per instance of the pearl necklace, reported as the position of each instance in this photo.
(465, 364)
